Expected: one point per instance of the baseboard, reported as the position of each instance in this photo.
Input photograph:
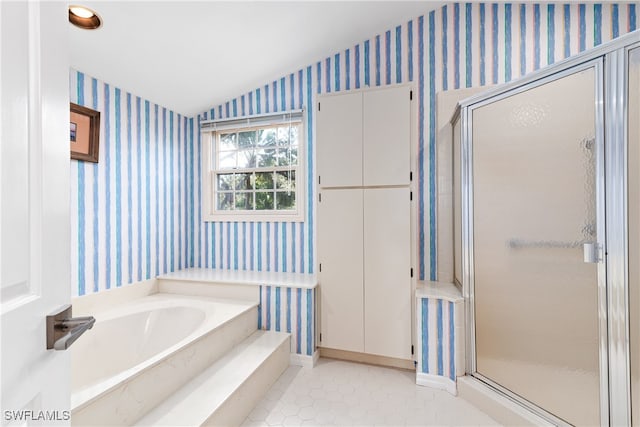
(304, 360)
(371, 359)
(436, 381)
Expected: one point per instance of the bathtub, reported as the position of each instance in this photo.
(141, 352)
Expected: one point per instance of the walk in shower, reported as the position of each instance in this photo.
(547, 236)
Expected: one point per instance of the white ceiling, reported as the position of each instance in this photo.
(191, 56)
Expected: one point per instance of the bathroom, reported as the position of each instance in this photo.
(171, 257)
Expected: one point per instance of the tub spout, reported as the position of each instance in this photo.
(63, 329)
(74, 328)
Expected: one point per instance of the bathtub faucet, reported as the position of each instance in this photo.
(63, 329)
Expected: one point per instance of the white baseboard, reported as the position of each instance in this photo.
(370, 359)
(436, 381)
(304, 360)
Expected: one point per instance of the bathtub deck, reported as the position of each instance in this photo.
(225, 392)
(124, 398)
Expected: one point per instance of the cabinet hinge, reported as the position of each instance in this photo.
(410, 176)
(320, 267)
(320, 337)
(318, 106)
(319, 197)
(412, 272)
(410, 95)
(411, 349)
(318, 179)
(410, 195)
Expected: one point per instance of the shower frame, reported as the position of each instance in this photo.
(610, 61)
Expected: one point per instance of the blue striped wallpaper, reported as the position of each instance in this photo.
(129, 211)
(460, 45)
(261, 246)
(289, 310)
(137, 213)
(436, 350)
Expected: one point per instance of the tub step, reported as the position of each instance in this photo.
(225, 393)
(130, 399)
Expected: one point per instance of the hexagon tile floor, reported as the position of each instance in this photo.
(352, 394)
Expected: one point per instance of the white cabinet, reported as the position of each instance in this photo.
(364, 221)
(342, 306)
(387, 279)
(386, 128)
(340, 159)
(364, 138)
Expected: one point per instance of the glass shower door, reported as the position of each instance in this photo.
(535, 156)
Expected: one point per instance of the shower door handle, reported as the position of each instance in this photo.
(592, 252)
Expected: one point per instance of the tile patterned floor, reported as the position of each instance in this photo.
(343, 393)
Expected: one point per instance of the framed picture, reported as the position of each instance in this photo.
(84, 133)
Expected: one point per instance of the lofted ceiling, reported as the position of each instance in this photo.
(191, 56)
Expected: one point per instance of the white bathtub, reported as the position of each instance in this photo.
(139, 353)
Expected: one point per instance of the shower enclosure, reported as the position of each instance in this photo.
(547, 236)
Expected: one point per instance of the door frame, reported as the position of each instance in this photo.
(622, 94)
(467, 149)
(609, 61)
(616, 133)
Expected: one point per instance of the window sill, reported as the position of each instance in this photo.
(258, 217)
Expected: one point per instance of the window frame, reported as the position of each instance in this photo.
(210, 145)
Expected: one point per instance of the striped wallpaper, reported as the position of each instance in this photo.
(137, 213)
(261, 246)
(460, 45)
(289, 310)
(437, 329)
(129, 211)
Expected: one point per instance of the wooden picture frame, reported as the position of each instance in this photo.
(84, 133)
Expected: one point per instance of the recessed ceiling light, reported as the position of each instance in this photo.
(83, 17)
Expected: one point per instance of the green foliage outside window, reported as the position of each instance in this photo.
(257, 169)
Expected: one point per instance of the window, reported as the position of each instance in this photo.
(253, 168)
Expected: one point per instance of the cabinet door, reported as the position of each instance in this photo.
(387, 280)
(387, 136)
(339, 133)
(340, 257)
